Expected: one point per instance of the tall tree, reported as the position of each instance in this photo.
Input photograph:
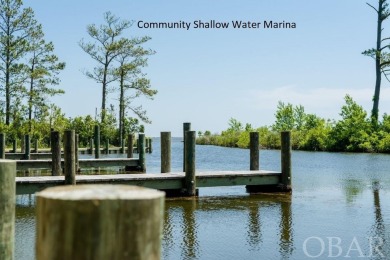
(43, 68)
(382, 57)
(104, 49)
(132, 58)
(16, 25)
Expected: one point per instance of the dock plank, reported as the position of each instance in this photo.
(165, 181)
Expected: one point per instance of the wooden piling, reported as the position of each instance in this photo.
(97, 141)
(254, 151)
(107, 146)
(36, 145)
(99, 222)
(7, 206)
(2, 145)
(69, 157)
(22, 145)
(130, 141)
(14, 145)
(186, 127)
(165, 152)
(123, 146)
(150, 145)
(91, 146)
(76, 152)
(141, 152)
(190, 180)
(55, 143)
(286, 160)
(27, 150)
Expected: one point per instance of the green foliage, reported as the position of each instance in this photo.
(353, 132)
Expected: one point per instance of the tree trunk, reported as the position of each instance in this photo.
(121, 108)
(375, 108)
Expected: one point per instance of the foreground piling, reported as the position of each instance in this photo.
(55, 143)
(254, 151)
(165, 152)
(99, 222)
(7, 207)
(190, 180)
(69, 157)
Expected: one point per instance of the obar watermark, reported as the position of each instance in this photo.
(332, 247)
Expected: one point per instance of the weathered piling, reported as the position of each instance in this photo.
(69, 157)
(2, 145)
(190, 180)
(7, 206)
(130, 141)
(186, 127)
(86, 213)
(97, 141)
(91, 146)
(107, 146)
(254, 151)
(27, 150)
(55, 143)
(286, 160)
(123, 146)
(165, 152)
(76, 151)
(141, 152)
(14, 145)
(150, 145)
(22, 145)
(36, 145)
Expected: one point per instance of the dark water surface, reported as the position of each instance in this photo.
(339, 209)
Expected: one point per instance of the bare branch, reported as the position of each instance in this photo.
(372, 7)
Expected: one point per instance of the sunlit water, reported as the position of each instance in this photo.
(340, 207)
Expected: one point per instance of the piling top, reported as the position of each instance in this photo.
(100, 192)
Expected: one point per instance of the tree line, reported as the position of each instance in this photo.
(29, 76)
(354, 132)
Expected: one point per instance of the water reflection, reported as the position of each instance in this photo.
(194, 220)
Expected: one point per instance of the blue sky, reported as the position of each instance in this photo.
(208, 76)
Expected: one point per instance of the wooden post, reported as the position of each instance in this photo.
(99, 222)
(69, 157)
(107, 146)
(97, 141)
(190, 180)
(141, 152)
(27, 147)
(14, 145)
(254, 151)
(123, 146)
(22, 145)
(55, 144)
(76, 151)
(2, 145)
(91, 146)
(286, 160)
(147, 144)
(150, 145)
(7, 206)
(165, 152)
(36, 145)
(130, 142)
(186, 127)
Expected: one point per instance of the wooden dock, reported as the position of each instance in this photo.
(163, 181)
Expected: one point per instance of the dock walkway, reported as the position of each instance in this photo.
(162, 181)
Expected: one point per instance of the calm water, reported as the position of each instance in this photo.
(340, 207)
